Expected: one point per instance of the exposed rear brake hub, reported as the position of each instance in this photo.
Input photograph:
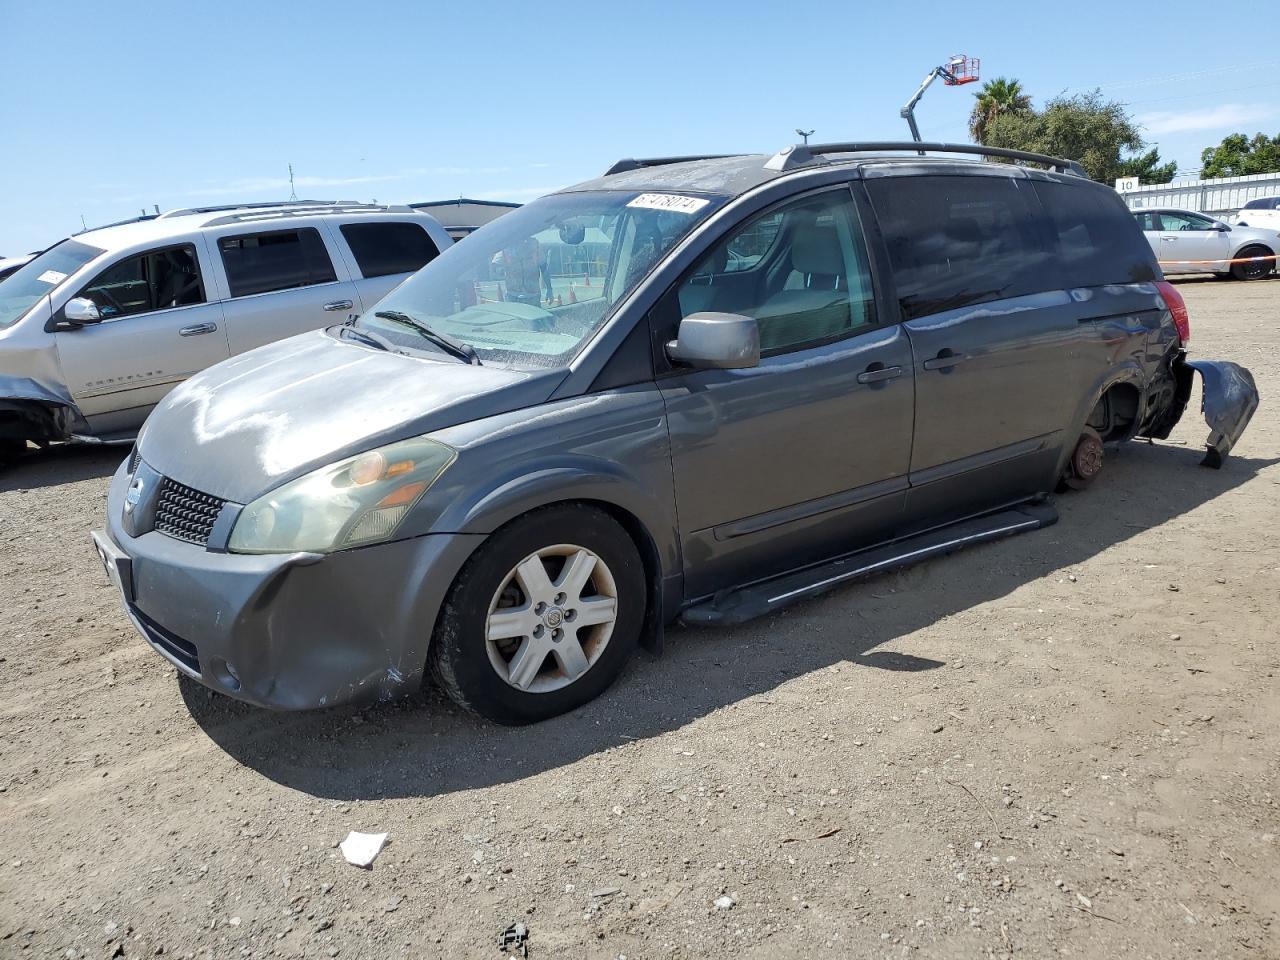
(1086, 460)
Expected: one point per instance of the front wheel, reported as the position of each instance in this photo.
(542, 618)
(1253, 269)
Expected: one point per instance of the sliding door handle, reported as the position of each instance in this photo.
(945, 360)
(878, 373)
(196, 329)
(335, 305)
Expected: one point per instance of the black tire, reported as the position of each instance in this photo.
(11, 450)
(1256, 270)
(460, 658)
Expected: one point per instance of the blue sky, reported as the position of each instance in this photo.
(106, 108)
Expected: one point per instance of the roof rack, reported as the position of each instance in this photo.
(800, 154)
(117, 223)
(264, 205)
(249, 214)
(622, 166)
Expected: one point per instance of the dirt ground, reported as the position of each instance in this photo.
(1062, 744)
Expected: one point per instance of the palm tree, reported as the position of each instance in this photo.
(996, 97)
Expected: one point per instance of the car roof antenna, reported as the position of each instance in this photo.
(956, 72)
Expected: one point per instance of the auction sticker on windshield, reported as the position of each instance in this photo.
(52, 276)
(669, 201)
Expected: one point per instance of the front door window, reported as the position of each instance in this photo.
(158, 280)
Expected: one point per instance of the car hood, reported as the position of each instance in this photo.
(253, 422)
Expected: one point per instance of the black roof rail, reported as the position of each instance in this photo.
(800, 154)
(622, 166)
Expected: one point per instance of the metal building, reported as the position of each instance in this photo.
(1221, 197)
(461, 217)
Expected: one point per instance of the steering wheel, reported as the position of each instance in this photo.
(104, 292)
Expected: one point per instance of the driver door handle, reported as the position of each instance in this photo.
(334, 305)
(196, 329)
(877, 373)
(945, 360)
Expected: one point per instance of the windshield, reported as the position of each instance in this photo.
(19, 291)
(530, 288)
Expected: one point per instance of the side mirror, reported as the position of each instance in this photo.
(1221, 228)
(81, 311)
(716, 341)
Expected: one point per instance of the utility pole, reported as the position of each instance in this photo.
(806, 134)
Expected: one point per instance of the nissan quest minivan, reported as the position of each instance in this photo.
(694, 387)
(98, 328)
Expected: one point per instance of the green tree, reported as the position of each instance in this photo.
(1148, 168)
(997, 97)
(1237, 156)
(1095, 132)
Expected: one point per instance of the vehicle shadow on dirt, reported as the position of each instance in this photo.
(423, 746)
(69, 463)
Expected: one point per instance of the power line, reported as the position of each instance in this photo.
(1144, 81)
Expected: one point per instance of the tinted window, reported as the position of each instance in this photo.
(158, 280)
(1266, 203)
(382, 249)
(1146, 221)
(1096, 242)
(280, 260)
(961, 240)
(809, 281)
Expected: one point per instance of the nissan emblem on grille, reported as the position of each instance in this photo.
(185, 513)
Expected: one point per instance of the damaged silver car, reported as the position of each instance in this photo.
(694, 387)
(98, 328)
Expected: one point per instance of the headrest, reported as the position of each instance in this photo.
(816, 249)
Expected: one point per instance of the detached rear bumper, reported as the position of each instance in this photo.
(1230, 399)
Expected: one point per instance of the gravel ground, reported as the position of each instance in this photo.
(1064, 744)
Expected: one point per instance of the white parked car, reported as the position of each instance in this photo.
(1263, 212)
(98, 328)
(1188, 242)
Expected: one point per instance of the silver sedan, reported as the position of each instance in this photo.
(1189, 242)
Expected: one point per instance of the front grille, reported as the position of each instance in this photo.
(134, 458)
(185, 513)
(182, 652)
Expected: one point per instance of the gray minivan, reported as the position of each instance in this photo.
(699, 388)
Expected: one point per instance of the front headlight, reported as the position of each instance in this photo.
(351, 503)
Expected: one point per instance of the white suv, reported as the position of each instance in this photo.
(98, 328)
(1263, 212)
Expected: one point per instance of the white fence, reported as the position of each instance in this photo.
(1221, 197)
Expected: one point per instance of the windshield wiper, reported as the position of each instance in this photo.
(463, 351)
(368, 337)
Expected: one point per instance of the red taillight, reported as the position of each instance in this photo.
(1178, 307)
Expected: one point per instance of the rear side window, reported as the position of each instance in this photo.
(382, 249)
(1146, 221)
(955, 241)
(279, 260)
(1097, 243)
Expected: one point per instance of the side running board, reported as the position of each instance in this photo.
(746, 603)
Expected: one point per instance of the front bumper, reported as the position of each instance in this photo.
(285, 631)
